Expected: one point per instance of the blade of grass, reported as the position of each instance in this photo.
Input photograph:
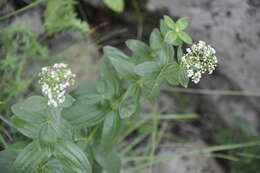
(147, 117)
(5, 121)
(191, 153)
(134, 143)
(225, 156)
(213, 92)
(153, 140)
(172, 116)
(21, 10)
(3, 141)
(248, 155)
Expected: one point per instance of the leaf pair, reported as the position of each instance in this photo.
(36, 120)
(66, 157)
(122, 64)
(173, 32)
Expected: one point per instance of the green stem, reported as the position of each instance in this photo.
(3, 141)
(191, 153)
(21, 10)
(92, 133)
(134, 143)
(153, 138)
(213, 92)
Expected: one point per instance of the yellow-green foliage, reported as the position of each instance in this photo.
(60, 15)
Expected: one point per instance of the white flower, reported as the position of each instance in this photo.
(44, 69)
(183, 59)
(54, 81)
(190, 73)
(200, 58)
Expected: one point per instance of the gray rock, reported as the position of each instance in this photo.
(32, 19)
(198, 163)
(5, 8)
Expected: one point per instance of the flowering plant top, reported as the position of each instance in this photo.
(200, 58)
(54, 81)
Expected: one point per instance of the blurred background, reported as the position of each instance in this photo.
(227, 103)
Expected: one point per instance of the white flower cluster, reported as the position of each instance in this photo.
(200, 58)
(54, 80)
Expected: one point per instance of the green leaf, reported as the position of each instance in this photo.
(68, 101)
(84, 115)
(120, 62)
(151, 89)
(173, 75)
(26, 128)
(32, 116)
(47, 134)
(30, 158)
(116, 5)
(106, 68)
(177, 42)
(98, 91)
(185, 37)
(19, 145)
(53, 129)
(83, 89)
(91, 98)
(164, 28)
(55, 166)
(49, 125)
(31, 110)
(182, 23)
(152, 85)
(140, 49)
(87, 93)
(110, 130)
(165, 55)
(109, 160)
(7, 158)
(174, 79)
(96, 167)
(170, 37)
(65, 130)
(177, 75)
(156, 40)
(169, 22)
(183, 78)
(110, 51)
(33, 104)
(130, 101)
(108, 89)
(72, 157)
(123, 67)
(147, 69)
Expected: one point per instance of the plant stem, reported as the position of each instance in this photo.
(191, 153)
(21, 10)
(213, 92)
(92, 133)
